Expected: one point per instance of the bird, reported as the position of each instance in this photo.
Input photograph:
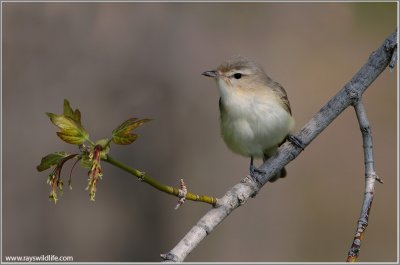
(255, 113)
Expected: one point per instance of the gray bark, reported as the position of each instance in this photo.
(350, 94)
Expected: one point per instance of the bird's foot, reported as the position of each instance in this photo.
(256, 173)
(255, 170)
(296, 141)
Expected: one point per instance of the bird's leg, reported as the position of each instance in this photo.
(254, 170)
(252, 167)
(295, 141)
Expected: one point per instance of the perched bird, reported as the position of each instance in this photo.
(255, 114)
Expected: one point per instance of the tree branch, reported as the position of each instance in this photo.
(144, 177)
(350, 94)
(370, 178)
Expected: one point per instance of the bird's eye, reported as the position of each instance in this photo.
(237, 75)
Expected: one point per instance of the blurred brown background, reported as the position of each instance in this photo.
(114, 61)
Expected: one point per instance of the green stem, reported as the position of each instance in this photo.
(91, 142)
(142, 176)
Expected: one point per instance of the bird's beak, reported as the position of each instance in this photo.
(212, 73)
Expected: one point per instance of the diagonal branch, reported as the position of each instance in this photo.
(248, 187)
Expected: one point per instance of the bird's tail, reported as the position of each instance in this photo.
(281, 174)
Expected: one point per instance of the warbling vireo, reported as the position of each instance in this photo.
(255, 114)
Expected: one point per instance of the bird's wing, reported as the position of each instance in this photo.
(282, 94)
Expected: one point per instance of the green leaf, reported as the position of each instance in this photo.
(71, 138)
(71, 130)
(122, 134)
(51, 160)
(70, 113)
(67, 109)
(124, 139)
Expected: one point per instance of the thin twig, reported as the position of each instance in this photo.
(370, 178)
(249, 187)
(144, 177)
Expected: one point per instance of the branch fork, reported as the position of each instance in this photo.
(350, 94)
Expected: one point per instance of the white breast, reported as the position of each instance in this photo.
(253, 124)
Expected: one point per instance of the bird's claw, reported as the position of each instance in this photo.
(256, 171)
(255, 174)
